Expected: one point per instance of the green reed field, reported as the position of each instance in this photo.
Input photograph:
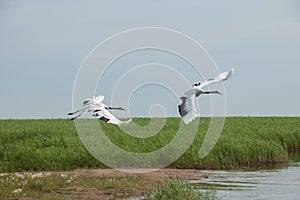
(53, 144)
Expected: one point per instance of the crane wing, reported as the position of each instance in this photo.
(80, 112)
(187, 109)
(95, 100)
(221, 77)
(106, 116)
(98, 99)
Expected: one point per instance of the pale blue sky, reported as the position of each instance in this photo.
(43, 43)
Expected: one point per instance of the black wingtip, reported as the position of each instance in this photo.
(196, 84)
(104, 119)
(179, 109)
(70, 113)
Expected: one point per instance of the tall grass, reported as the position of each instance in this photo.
(246, 141)
(32, 145)
(27, 145)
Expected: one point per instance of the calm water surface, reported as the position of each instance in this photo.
(283, 183)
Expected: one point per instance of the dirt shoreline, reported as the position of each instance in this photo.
(155, 174)
(137, 184)
(160, 174)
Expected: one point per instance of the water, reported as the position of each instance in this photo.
(272, 184)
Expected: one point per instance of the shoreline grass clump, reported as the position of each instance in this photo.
(54, 144)
(177, 189)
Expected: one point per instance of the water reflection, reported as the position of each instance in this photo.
(272, 184)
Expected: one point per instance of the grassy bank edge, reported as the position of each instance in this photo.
(39, 145)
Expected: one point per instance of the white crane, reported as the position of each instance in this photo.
(99, 110)
(187, 108)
